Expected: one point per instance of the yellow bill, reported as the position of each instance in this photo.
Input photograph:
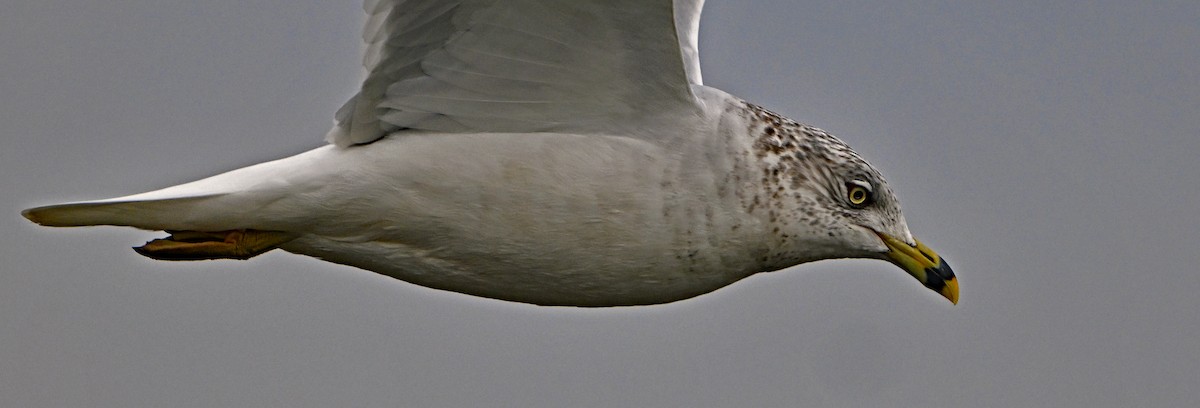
(924, 264)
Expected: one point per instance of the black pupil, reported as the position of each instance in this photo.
(859, 195)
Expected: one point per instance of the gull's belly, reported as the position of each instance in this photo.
(554, 219)
(548, 274)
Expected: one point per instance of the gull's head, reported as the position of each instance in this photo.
(830, 203)
(862, 216)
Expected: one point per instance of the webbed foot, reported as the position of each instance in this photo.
(198, 245)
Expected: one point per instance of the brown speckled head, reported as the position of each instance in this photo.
(821, 198)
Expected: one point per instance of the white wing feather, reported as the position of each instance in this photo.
(583, 66)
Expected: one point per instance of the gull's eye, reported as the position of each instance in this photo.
(859, 196)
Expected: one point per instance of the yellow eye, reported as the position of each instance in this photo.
(859, 196)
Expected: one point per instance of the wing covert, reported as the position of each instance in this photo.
(520, 66)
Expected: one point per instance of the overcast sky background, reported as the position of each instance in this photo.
(1047, 149)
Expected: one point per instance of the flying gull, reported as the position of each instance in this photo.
(541, 151)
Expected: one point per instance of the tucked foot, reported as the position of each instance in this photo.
(197, 245)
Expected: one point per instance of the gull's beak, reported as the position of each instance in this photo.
(924, 264)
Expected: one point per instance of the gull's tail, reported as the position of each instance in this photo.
(160, 214)
(238, 214)
(246, 198)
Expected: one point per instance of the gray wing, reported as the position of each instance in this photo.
(584, 66)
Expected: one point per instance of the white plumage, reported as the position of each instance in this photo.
(550, 152)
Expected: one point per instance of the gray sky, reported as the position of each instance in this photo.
(1047, 149)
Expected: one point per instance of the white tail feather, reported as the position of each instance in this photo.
(151, 215)
(227, 201)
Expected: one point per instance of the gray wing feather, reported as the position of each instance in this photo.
(520, 66)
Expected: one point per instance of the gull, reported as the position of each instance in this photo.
(548, 152)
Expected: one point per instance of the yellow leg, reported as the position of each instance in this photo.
(197, 245)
